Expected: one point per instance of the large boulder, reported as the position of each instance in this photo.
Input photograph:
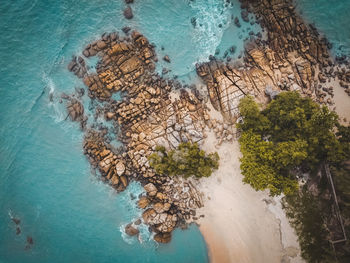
(128, 13)
(75, 110)
(151, 189)
(148, 215)
(130, 65)
(120, 168)
(130, 230)
(162, 237)
(143, 202)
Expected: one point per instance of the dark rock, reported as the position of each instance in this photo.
(131, 231)
(162, 237)
(113, 36)
(165, 71)
(129, 1)
(126, 29)
(17, 221)
(101, 44)
(128, 13)
(86, 53)
(30, 240)
(193, 21)
(81, 61)
(72, 65)
(225, 54)
(105, 37)
(237, 23)
(18, 230)
(244, 15)
(64, 96)
(166, 58)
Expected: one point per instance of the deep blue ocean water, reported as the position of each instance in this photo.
(45, 179)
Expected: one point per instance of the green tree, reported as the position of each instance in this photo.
(187, 160)
(291, 131)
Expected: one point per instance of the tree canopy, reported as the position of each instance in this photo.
(290, 132)
(186, 160)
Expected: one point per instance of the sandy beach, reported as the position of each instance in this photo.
(240, 224)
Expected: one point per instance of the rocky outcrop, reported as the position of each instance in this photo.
(77, 66)
(128, 13)
(149, 114)
(75, 111)
(293, 57)
(131, 230)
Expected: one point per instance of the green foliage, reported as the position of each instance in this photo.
(307, 218)
(187, 160)
(261, 164)
(291, 131)
(253, 119)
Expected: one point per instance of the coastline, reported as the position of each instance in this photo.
(238, 225)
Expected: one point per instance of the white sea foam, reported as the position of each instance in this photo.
(209, 15)
(58, 114)
(144, 237)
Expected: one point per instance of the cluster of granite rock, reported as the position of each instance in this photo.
(152, 112)
(291, 56)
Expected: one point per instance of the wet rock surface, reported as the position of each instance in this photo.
(158, 111)
(154, 111)
(292, 56)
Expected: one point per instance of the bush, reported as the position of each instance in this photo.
(187, 160)
(291, 132)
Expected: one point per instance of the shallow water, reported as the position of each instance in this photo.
(331, 18)
(44, 178)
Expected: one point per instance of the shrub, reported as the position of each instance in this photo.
(187, 160)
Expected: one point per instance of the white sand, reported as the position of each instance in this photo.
(341, 100)
(238, 225)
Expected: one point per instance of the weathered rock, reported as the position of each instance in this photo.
(143, 202)
(162, 237)
(128, 13)
(150, 189)
(120, 168)
(166, 58)
(131, 231)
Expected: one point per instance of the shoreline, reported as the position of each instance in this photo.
(239, 225)
(159, 111)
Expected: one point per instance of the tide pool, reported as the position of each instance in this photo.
(45, 179)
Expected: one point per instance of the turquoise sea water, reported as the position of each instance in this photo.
(331, 18)
(44, 178)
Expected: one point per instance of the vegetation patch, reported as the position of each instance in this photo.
(186, 160)
(292, 136)
(291, 133)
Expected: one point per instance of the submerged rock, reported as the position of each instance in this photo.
(130, 230)
(162, 237)
(166, 58)
(128, 13)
